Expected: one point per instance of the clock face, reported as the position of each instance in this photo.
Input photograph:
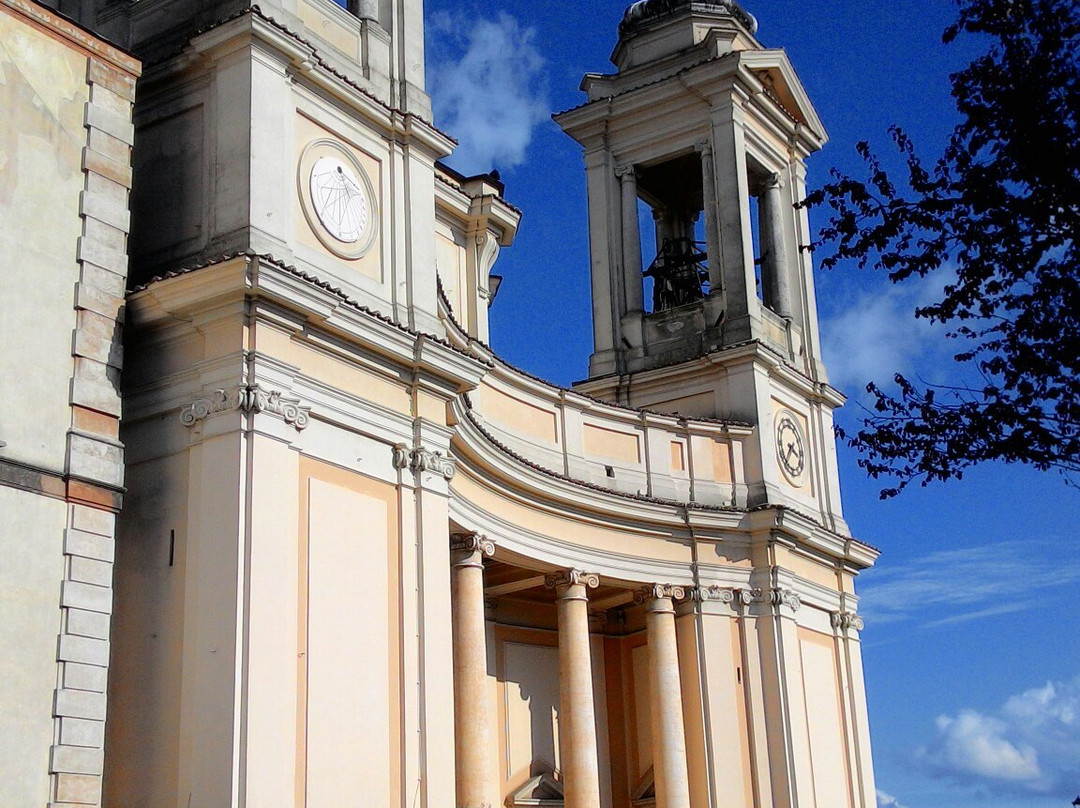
(339, 199)
(789, 447)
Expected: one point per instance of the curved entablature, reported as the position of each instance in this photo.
(628, 451)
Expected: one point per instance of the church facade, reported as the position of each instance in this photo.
(285, 531)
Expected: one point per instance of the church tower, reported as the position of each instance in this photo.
(703, 293)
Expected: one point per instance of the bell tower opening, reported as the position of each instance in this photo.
(678, 275)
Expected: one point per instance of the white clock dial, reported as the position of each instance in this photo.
(339, 199)
(789, 447)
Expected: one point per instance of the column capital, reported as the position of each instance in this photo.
(845, 621)
(471, 543)
(654, 592)
(626, 170)
(469, 549)
(421, 459)
(720, 594)
(562, 581)
(703, 147)
(772, 597)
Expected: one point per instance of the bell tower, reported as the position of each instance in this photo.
(703, 293)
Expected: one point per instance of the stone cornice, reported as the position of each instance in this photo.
(236, 277)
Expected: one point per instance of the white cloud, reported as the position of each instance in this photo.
(956, 586)
(486, 78)
(1030, 745)
(873, 334)
(887, 800)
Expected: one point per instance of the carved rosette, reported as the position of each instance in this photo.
(422, 460)
(250, 399)
(846, 621)
(772, 597)
(659, 592)
(565, 578)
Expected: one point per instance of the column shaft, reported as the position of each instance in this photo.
(669, 736)
(577, 712)
(631, 242)
(476, 783)
(777, 278)
(712, 224)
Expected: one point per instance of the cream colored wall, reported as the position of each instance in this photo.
(451, 259)
(525, 681)
(725, 691)
(43, 97)
(833, 785)
(33, 565)
(373, 382)
(349, 690)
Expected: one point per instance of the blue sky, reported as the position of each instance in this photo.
(971, 646)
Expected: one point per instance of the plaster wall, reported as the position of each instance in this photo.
(43, 93)
(30, 576)
(825, 721)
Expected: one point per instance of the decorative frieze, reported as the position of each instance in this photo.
(421, 460)
(772, 597)
(846, 621)
(251, 399)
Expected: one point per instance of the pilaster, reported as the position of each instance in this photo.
(425, 469)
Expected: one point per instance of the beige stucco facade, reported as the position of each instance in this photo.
(361, 558)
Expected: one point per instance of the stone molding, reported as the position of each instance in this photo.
(553, 580)
(846, 621)
(420, 460)
(772, 597)
(250, 398)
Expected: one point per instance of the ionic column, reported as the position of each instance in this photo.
(774, 248)
(577, 713)
(631, 240)
(712, 221)
(476, 783)
(668, 734)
